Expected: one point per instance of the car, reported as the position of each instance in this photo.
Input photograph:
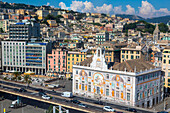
(2, 98)
(162, 112)
(82, 105)
(40, 90)
(131, 109)
(15, 89)
(108, 108)
(75, 101)
(98, 102)
(22, 90)
(42, 93)
(46, 97)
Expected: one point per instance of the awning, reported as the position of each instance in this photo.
(29, 73)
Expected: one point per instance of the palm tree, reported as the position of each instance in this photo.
(16, 75)
(27, 79)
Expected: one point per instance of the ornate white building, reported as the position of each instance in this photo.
(133, 82)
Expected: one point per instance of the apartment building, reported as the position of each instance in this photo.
(131, 53)
(24, 30)
(134, 82)
(57, 62)
(102, 37)
(74, 57)
(166, 68)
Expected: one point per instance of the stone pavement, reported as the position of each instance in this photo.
(160, 106)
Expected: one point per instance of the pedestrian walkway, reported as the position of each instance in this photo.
(160, 106)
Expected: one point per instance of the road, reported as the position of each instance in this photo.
(89, 102)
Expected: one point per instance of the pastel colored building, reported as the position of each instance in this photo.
(57, 62)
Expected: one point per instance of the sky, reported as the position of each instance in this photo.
(143, 8)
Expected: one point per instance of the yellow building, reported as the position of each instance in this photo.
(166, 67)
(131, 53)
(20, 11)
(42, 13)
(74, 57)
(52, 23)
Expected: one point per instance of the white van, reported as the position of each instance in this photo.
(67, 94)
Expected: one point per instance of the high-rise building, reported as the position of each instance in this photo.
(24, 30)
(24, 56)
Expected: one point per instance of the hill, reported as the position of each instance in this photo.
(162, 19)
(131, 17)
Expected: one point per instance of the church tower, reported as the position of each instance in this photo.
(156, 34)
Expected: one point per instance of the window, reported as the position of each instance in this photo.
(123, 51)
(137, 52)
(126, 56)
(128, 79)
(169, 74)
(76, 71)
(83, 85)
(131, 56)
(107, 76)
(138, 96)
(123, 56)
(89, 87)
(54, 52)
(131, 52)
(76, 84)
(117, 94)
(49, 62)
(128, 96)
(107, 92)
(89, 73)
(164, 61)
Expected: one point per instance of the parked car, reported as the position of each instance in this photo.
(83, 105)
(22, 90)
(46, 97)
(15, 89)
(108, 108)
(131, 109)
(75, 101)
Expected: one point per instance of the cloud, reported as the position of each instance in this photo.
(89, 7)
(48, 4)
(63, 6)
(148, 10)
(130, 10)
(104, 9)
(118, 10)
(77, 5)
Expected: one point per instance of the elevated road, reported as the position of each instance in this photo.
(89, 102)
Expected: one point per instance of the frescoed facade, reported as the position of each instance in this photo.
(135, 87)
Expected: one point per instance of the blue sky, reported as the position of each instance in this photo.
(149, 8)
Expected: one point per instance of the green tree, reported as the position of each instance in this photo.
(27, 79)
(16, 75)
(163, 27)
(50, 110)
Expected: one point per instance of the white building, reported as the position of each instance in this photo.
(133, 82)
(23, 56)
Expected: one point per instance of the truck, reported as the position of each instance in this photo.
(16, 104)
(67, 94)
